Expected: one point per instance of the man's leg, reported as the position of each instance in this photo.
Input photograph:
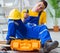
(11, 30)
(10, 33)
(15, 26)
(21, 29)
(45, 38)
(44, 34)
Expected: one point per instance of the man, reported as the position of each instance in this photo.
(30, 30)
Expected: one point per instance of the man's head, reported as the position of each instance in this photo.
(40, 6)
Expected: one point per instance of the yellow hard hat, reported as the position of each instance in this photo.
(14, 14)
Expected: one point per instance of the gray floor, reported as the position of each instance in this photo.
(57, 50)
(55, 36)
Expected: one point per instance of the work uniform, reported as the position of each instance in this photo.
(33, 17)
(28, 30)
(36, 22)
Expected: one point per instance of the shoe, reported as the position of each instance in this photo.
(50, 46)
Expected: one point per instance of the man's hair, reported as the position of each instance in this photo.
(44, 2)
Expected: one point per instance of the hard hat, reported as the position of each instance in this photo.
(14, 14)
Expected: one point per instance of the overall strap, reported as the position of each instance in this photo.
(39, 13)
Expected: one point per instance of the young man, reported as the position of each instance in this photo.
(30, 30)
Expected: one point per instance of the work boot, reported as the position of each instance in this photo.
(50, 46)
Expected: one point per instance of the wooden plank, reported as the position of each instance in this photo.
(2, 42)
(4, 45)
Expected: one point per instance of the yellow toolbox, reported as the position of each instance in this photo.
(25, 45)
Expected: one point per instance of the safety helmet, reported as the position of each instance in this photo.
(14, 14)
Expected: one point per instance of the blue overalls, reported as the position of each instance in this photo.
(29, 30)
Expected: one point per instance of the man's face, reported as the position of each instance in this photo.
(40, 6)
